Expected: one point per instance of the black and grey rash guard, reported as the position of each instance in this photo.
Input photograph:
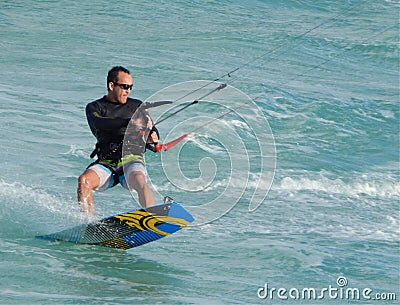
(108, 122)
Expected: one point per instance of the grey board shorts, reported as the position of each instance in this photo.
(110, 177)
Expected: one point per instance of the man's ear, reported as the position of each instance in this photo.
(110, 86)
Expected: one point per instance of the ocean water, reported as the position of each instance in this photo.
(315, 154)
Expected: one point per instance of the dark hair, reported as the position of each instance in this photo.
(112, 76)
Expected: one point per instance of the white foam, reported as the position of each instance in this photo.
(21, 193)
(36, 203)
(374, 188)
(77, 151)
(201, 142)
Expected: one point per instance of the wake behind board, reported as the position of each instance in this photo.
(128, 230)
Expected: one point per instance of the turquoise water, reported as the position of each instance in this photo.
(331, 98)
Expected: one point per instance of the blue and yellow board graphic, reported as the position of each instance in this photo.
(128, 230)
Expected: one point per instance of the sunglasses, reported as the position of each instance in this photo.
(124, 86)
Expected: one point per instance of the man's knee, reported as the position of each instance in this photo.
(83, 181)
(88, 180)
(137, 180)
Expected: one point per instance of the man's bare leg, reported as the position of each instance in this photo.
(87, 182)
(137, 181)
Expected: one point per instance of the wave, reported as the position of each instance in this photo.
(31, 209)
(79, 151)
(358, 187)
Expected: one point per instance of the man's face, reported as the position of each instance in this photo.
(118, 93)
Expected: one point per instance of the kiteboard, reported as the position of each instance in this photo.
(128, 230)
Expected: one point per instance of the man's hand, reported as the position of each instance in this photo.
(153, 137)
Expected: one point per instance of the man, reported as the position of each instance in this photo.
(119, 161)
